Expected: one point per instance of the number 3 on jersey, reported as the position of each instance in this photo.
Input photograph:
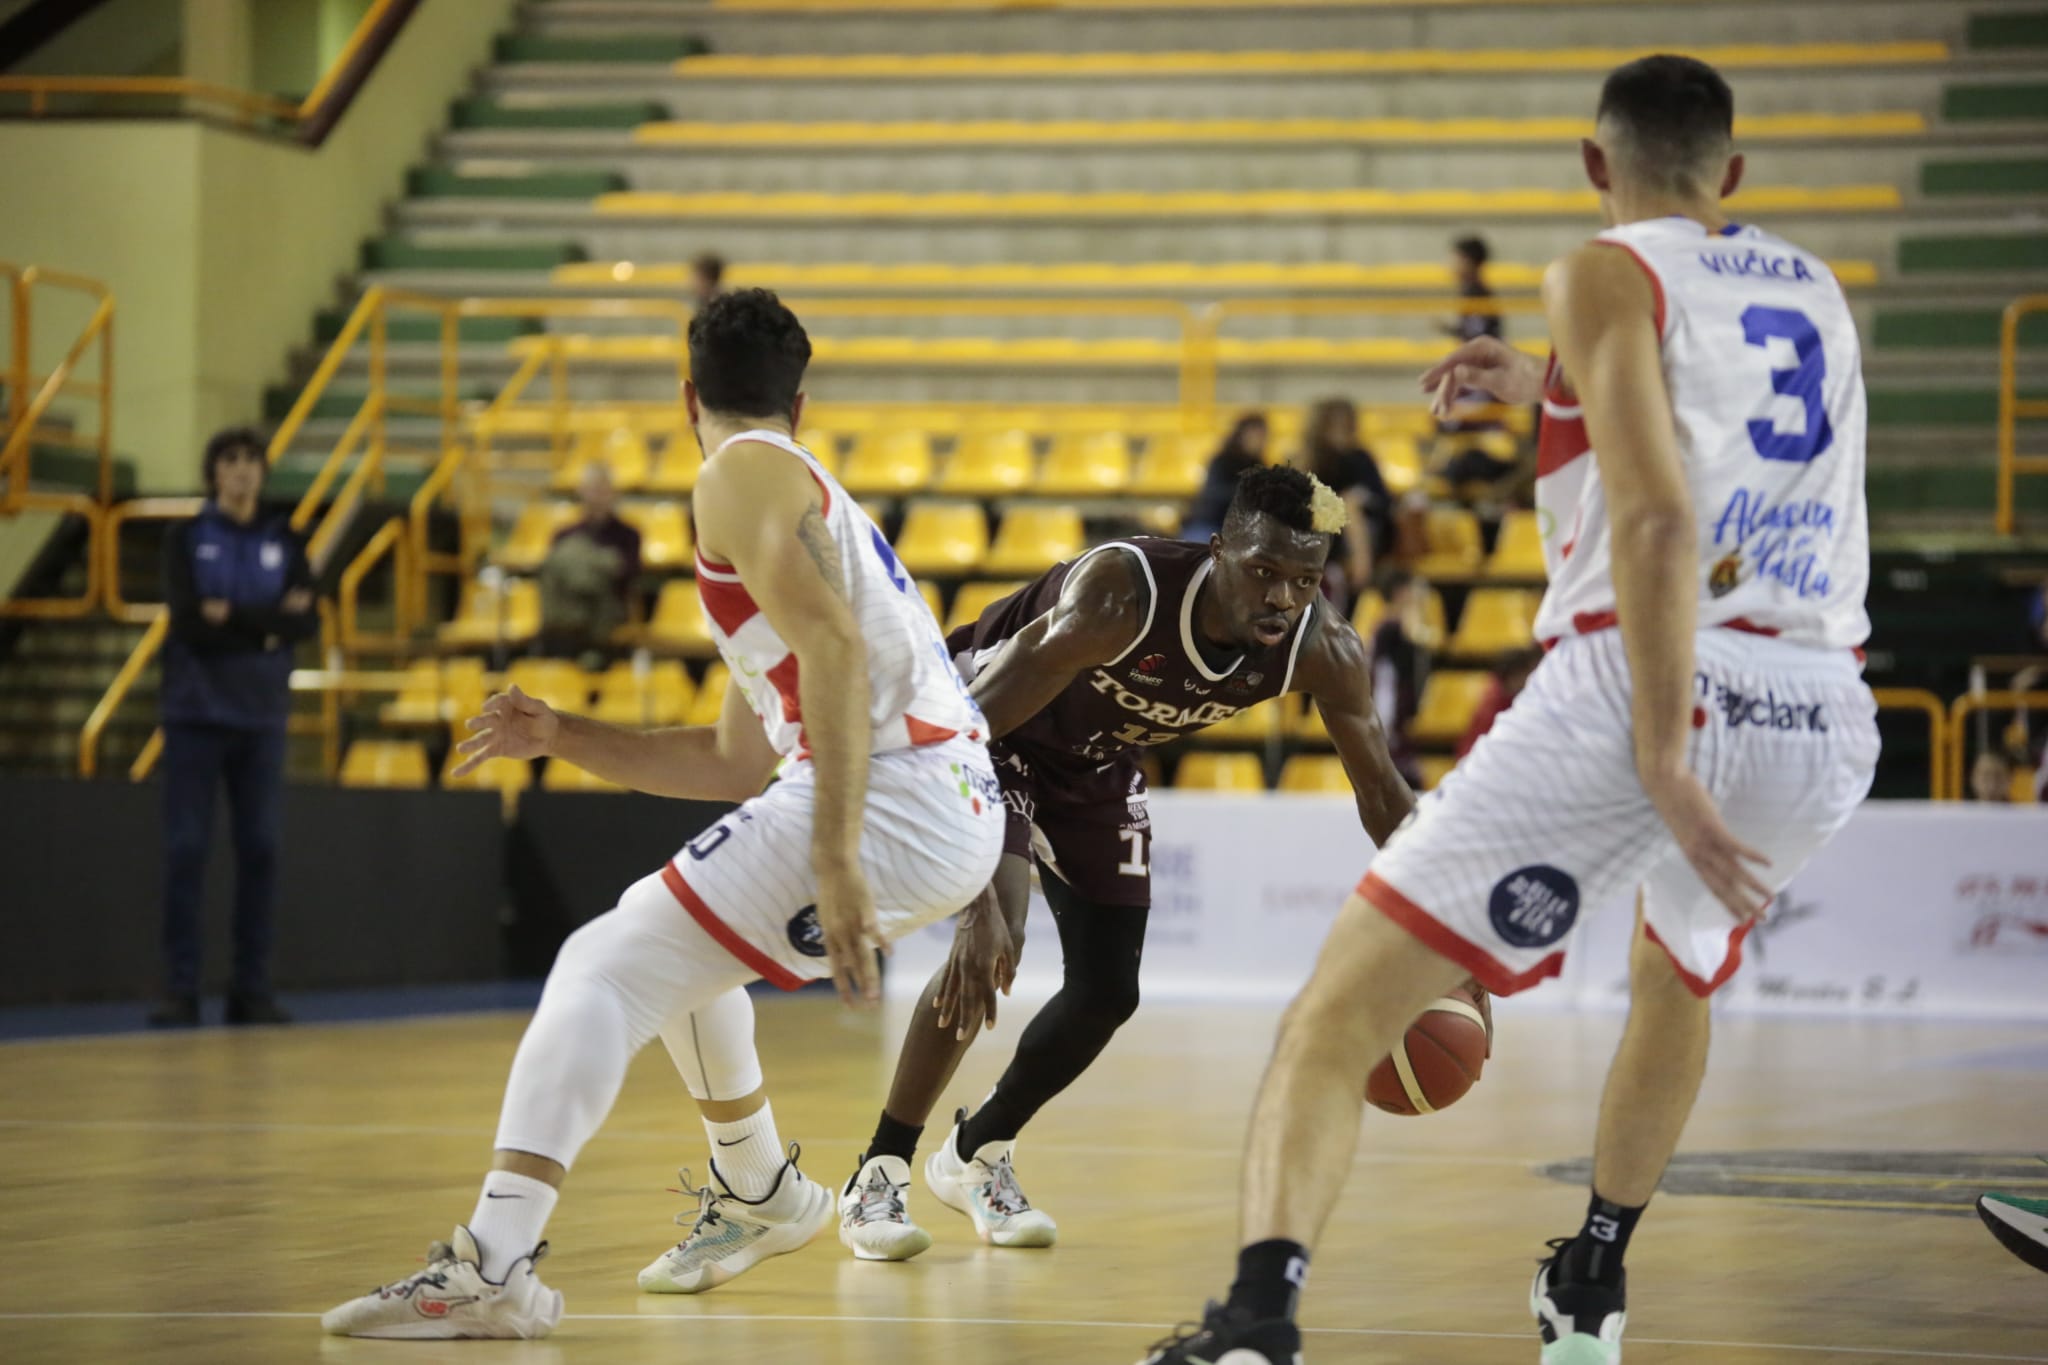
(1762, 325)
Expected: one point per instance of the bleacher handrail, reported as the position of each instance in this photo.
(2011, 408)
(1967, 705)
(1919, 699)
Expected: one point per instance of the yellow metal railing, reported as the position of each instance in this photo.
(1969, 704)
(2012, 409)
(1925, 703)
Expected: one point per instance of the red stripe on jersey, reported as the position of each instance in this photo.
(783, 675)
(824, 491)
(1706, 986)
(924, 732)
(1559, 441)
(1440, 938)
(726, 601)
(728, 938)
(1656, 285)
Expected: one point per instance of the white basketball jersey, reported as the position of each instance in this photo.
(918, 697)
(1765, 374)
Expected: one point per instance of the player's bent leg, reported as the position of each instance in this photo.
(1579, 1297)
(614, 982)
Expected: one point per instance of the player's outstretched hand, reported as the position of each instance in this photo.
(1488, 364)
(511, 725)
(983, 964)
(853, 935)
(1724, 863)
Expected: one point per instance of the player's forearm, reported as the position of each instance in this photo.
(1656, 598)
(1010, 691)
(685, 762)
(834, 692)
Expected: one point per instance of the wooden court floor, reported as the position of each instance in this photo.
(199, 1199)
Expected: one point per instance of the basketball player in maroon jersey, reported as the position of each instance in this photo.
(1133, 644)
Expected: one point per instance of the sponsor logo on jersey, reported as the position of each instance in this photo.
(806, 935)
(1244, 682)
(1160, 712)
(1150, 670)
(1764, 712)
(1534, 906)
(1755, 263)
(1726, 575)
(1790, 538)
(1190, 685)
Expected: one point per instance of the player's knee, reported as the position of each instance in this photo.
(1654, 981)
(1110, 1003)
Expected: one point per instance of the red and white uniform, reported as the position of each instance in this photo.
(1546, 818)
(933, 823)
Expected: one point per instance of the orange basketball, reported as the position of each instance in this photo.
(1437, 1062)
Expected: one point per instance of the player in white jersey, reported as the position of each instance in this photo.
(886, 817)
(1701, 488)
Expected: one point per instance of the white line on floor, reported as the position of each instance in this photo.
(1072, 1324)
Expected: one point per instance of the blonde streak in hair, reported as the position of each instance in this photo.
(1327, 514)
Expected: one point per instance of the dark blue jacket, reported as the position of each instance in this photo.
(235, 673)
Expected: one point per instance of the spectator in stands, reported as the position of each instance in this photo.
(1469, 256)
(586, 581)
(1991, 777)
(239, 594)
(707, 278)
(1244, 448)
(1468, 452)
(1401, 648)
(1510, 676)
(1335, 455)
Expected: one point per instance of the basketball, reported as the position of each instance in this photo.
(1437, 1060)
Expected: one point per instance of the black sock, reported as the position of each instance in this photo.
(1595, 1254)
(1269, 1279)
(893, 1139)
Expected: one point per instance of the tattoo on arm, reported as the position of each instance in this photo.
(823, 550)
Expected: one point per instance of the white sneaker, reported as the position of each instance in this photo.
(451, 1298)
(874, 1213)
(730, 1236)
(986, 1190)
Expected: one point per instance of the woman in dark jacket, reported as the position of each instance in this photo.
(1332, 452)
(240, 595)
(1244, 448)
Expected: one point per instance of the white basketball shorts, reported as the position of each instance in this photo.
(931, 835)
(1545, 818)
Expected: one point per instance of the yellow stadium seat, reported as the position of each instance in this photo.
(1033, 539)
(622, 448)
(1172, 467)
(710, 698)
(1400, 462)
(1453, 544)
(510, 615)
(975, 598)
(534, 533)
(929, 591)
(1518, 551)
(660, 696)
(506, 776)
(1083, 466)
(1415, 422)
(1253, 725)
(1321, 773)
(559, 683)
(436, 693)
(563, 776)
(1444, 713)
(1371, 611)
(945, 539)
(1220, 773)
(664, 534)
(1368, 612)
(1495, 620)
(675, 474)
(893, 463)
(988, 465)
(1435, 767)
(679, 624)
(386, 763)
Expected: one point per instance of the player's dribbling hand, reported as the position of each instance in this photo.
(982, 964)
(1724, 863)
(511, 725)
(1487, 364)
(853, 935)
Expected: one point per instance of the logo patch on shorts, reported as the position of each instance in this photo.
(806, 935)
(1534, 906)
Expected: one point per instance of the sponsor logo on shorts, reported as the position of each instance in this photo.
(806, 935)
(1150, 670)
(1766, 712)
(1534, 906)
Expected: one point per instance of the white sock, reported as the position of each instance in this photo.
(749, 1153)
(511, 1213)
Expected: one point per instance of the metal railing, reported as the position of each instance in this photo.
(2012, 409)
(1925, 703)
(1971, 703)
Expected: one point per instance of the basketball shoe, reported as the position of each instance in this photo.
(1230, 1337)
(874, 1217)
(986, 1190)
(451, 1298)
(2020, 1225)
(1580, 1322)
(730, 1236)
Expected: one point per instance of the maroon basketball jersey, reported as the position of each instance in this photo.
(1161, 688)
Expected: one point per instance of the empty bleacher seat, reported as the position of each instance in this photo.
(487, 616)
(623, 450)
(1314, 773)
(559, 683)
(679, 624)
(975, 598)
(710, 699)
(945, 539)
(506, 776)
(659, 696)
(1444, 713)
(1253, 725)
(1083, 466)
(1033, 539)
(989, 464)
(1518, 550)
(563, 776)
(929, 591)
(1400, 462)
(1495, 620)
(533, 534)
(1172, 466)
(664, 533)
(386, 763)
(436, 693)
(1220, 773)
(1371, 612)
(895, 462)
(675, 473)
(1453, 548)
